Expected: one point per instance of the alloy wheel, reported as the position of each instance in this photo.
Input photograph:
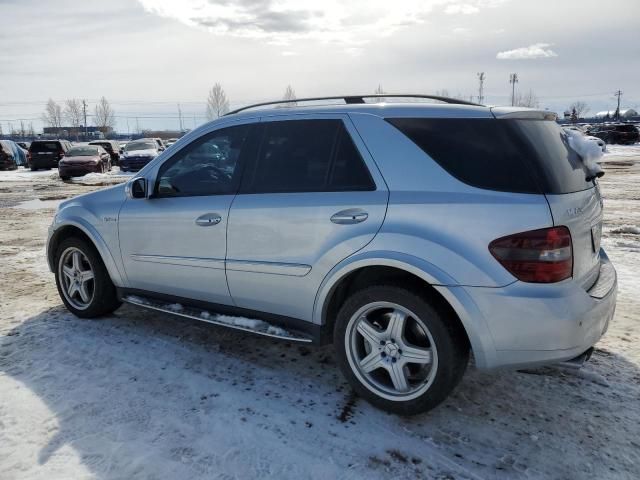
(391, 351)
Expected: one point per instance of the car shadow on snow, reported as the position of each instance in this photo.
(143, 394)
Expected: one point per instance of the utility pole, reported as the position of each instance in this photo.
(84, 112)
(619, 95)
(513, 79)
(481, 78)
(180, 116)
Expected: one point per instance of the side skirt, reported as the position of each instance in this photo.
(261, 323)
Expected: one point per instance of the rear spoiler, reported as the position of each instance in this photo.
(519, 113)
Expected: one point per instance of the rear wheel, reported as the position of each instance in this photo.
(397, 351)
(82, 279)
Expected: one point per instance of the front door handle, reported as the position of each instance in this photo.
(208, 219)
(349, 216)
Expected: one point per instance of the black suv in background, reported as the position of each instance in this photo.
(623, 133)
(47, 153)
(111, 146)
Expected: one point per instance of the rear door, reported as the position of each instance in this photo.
(311, 198)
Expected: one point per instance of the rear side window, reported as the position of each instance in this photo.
(307, 156)
(520, 156)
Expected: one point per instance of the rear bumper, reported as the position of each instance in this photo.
(46, 162)
(535, 324)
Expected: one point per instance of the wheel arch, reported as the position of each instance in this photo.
(419, 275)
(79, 228)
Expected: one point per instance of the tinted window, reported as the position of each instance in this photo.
(307, 156)
(45, 147)
(209, 166)
(523, 156)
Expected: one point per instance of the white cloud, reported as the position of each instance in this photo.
(460, 30)
(461, 8)
(280, 22)
(537, 50)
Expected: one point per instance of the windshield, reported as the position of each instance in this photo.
(140, 146)
(45, 146)
(82, 152)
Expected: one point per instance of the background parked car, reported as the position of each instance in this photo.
(84, 159)
(622, 133)
(138, 153)
(7, 156)
(47, 153)
(24, 145)
(112, 147)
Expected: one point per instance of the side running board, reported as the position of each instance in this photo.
(259, 327)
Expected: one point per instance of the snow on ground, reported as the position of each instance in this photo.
(95, 179)
(145, 395)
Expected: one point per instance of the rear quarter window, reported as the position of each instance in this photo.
(519, 156)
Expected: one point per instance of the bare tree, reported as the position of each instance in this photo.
(23, 131)
(52, 115)
(289, 94)
(217, 102)
(31, 133)
(529, 99)
(105, 116)
(442, 93)
(580, 107)
(73, 114)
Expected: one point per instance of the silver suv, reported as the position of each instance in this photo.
(408, 234)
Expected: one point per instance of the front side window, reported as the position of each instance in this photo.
(307, 156)
(209, 166)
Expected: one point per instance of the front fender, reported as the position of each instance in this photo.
(472, 320)
(90, 231)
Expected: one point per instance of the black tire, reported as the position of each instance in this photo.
(104, 299)
(33, 169)
(65, 178)
(450, 343)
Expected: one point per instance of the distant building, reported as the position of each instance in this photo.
(626, 113)
(70, 132)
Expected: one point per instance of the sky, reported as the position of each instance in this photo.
(151, 58)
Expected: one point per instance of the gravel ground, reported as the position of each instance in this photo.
(145, 395)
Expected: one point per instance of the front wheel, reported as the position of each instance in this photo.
(397, 350)
(82, 279)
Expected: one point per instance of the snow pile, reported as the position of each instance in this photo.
(589, 150)
(174, 307)
(632, 229)
(248, 323)
(111, 178)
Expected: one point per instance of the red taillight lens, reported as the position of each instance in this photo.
(538, 256)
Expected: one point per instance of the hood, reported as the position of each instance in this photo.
(141, 153)
(102, 196)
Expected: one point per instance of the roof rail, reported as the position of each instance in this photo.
(353, 99)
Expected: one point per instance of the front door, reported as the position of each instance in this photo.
(311, 197)
(175, 241)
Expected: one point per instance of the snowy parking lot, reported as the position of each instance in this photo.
(145, 395)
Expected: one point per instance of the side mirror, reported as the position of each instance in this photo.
(139, 188)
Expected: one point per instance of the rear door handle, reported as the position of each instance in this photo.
(349, 216)
(208, 219)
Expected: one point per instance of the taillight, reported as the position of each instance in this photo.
(537, 256)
